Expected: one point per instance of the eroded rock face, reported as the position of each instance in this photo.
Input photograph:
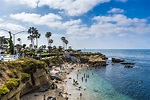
(115, 60)
(40, 77)
(96, 61)
(104, 57)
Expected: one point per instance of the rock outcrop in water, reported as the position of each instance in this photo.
(128, 66)
(94, 60)
(115, 60)
(127, 63)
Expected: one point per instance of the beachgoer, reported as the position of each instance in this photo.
(80, 96)
(44, 97)
(88, 76)
(84, 75)
(82, 79)
(77, 76)
(67, 98)
(53, 85)
(86, 80)
(60, 92)
(73, 80)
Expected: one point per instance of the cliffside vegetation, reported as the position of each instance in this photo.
(15, 72)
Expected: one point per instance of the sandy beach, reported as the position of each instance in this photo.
(66, 85)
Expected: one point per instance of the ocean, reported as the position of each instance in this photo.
(114, 82)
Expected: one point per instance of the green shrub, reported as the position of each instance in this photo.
(14, 72)
(30, 65)
(47, 61)
(25, 77)
(10, 74)
(3, 68)
(10, 65)
(12, 83)
(4, 90)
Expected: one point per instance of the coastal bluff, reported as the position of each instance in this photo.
(37, 78)
(41, 79)
(94, 60)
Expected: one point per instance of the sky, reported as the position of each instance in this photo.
(89, 24)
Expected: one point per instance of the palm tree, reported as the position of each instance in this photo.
(63, 39)
(66, 42)
(50, 47)
(60, 49)
(35, 46)
(24, 49)
(34, 34)
(18, 46)
(30, 37)
(54, 49)
(37, 36)
(19, 39)
(48, 35)
(44, 47)
(50, 41)
(30, 46)
(24, 46)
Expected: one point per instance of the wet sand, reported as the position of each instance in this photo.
(77, 91)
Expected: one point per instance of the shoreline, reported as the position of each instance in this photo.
(64, 75)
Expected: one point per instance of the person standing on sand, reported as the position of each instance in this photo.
(77, 76)
(67, 98)
(80, 96)
(44, 97)
(60, 92)
(54, 98)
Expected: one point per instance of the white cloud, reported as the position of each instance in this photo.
(11, 26)
(120, 24)
(110, 25)
(50, 19)
(1, 20)
(30, 3)
(72, 7)
(116, 10)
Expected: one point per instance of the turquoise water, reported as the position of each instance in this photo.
(99, 88)
(118, 83)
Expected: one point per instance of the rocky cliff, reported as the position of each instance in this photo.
(41, 79)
